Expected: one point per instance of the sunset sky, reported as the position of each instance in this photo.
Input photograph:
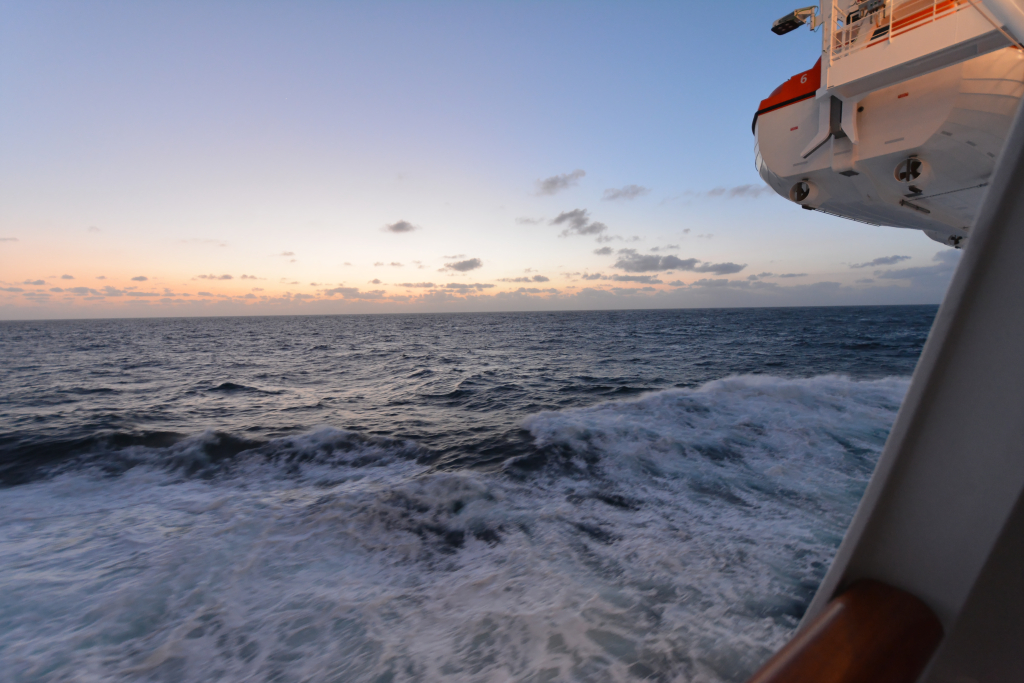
(234, 158)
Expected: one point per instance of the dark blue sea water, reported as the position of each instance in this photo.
(594, 496)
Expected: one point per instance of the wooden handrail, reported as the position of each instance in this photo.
(871, 633)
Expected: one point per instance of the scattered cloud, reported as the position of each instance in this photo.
(33, 282)
(139, 278)
(11, 289)
(627, 192)
(740, 191)
(945, 264)
(557, 183)
(793, 275)
(633, 262)
(417, 284)
(535, 278)
(464, 266)
(93, 228)
(578, 222)
(881, 261)
(101, 277)
(603, 251)
(67, 277)
(375, 281)
(248, 277)
(466, 287)
(400, 227)
(526, 220)
(8, 239)
(287, 253)
(205, 294)
(395, 263)
(643, 279)
(213, 277)
(455, 256)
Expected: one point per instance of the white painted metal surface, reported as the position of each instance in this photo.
(952, 470)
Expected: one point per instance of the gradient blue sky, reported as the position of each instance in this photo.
(154, 153)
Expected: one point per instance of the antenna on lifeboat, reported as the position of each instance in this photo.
(796, 19)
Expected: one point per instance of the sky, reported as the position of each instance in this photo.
(310, 157)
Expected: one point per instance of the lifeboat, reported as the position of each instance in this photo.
(901, 120)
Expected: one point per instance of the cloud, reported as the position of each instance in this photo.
(462, 287)
(945, 265)
(353, 293)
(633, 262)
(525, 220)
(93, 228)
(374, 281)
(881, 261)
(11, 289)
(627, 192)
(396, 263)
(139, 278)
(557, 183)
(454, 256)
(464, 266)
(101, 277)
(740, 191)
(533, 290)
(248, 277)
(603, 251)
(8, 239)
(417, 284)
(793, 275)
(141, 294)
(56, 289)
(535, 278)
(400, 227)
(33, 282)
(67, 277)
(213, 277)
(593, 276)
(578, 222)
(643, 279)
(205, 294)
(287, 253)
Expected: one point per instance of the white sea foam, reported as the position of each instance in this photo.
(673, 537)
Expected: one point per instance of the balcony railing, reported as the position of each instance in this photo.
(859, 24)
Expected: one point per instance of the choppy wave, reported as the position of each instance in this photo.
(676, 536)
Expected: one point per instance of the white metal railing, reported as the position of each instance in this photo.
(859, 24)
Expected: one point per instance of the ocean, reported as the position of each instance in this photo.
(530, 497)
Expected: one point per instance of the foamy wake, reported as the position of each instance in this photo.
(675, 537)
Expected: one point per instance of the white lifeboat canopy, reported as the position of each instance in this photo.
(902, 119)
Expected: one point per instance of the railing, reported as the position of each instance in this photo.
(859, 24)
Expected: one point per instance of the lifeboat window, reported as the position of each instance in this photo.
(800, 192)
(909, 170)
